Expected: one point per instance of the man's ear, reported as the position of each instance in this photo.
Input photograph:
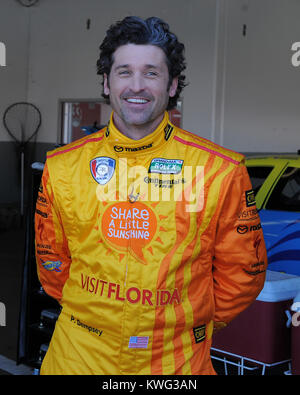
(106, 89)
(173, 87)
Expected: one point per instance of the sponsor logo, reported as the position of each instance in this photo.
(41, 213)
(52, 266)
(44, 252)
(133, 295)
(256, 266)
(250, 198)
(102, 169)
(258, 270)
(138, 342)
(168, 131)
(242, 229)
(42, 201)
(46, 246)
(123, 222)
(165, 166)
(119, 148)
(248, 215)
(163, 183)
(199, 333)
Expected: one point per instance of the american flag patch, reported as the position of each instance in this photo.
(138, 342)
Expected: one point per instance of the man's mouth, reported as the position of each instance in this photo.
(136, 100)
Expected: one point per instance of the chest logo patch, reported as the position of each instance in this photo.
(102, 169)
(129, 226)
(165, 166)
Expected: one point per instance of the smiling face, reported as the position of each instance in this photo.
(138, 88)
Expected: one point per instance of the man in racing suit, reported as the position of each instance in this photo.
(142, 237)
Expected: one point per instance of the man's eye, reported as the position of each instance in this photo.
(151, 73)
(124, 72)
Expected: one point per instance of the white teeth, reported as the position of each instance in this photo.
(139, 101)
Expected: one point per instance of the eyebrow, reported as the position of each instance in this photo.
(122, 66)
(147, 66)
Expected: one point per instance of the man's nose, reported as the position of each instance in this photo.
(137, 83)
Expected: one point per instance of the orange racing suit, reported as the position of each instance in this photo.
(147, 245)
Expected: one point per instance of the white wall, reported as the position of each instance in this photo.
(262, 107)
(64, 53)
(250, 105)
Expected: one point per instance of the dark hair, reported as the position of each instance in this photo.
(153, 31)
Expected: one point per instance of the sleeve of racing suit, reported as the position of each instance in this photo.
(240, 258)
(52, 252)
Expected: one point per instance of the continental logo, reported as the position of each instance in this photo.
(134, 295)
(119, 148)
(164, 183)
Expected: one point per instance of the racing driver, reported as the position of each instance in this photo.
(146, 234)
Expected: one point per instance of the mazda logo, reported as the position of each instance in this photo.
(242, 229)
(117, 148)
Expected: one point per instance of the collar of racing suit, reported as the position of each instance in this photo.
(123, 145)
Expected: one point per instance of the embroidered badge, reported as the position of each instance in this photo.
(138, 342)
(165, 166)
(199, 333)
(52, 266)
(250, 198)
(102, 169)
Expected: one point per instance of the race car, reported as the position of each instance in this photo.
(276, 183)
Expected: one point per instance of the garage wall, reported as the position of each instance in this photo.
(261, 99)
(245, 86)
(64, 52)
(14, 24)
